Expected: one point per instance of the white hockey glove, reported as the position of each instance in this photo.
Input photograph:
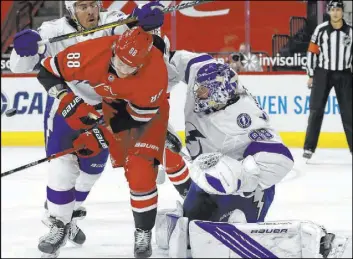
(219, 174)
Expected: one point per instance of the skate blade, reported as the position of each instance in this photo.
(307, 160)
(54, 255)
(143, 255)
(75, 244)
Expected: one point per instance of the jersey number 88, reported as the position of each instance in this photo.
(72, 62)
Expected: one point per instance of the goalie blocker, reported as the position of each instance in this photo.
(274, 239)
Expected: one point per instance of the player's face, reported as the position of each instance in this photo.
(242, 49)
(87, 13)
(202, 92)
(336, 14)
(122, 69)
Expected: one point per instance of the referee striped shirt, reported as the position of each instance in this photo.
(330, 48)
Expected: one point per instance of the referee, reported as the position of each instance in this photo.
(329, 64)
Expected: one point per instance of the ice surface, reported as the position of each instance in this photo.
(321, 192)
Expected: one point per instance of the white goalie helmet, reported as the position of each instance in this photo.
(70, 7)
(216, 173)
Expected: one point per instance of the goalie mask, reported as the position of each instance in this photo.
(215, 85)
(73, 9)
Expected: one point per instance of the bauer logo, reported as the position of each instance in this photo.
(4, 103)
(100, 138)
(269, 231)
(71, 107)
(145, 145)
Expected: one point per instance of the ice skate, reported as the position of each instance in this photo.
(50, 243)
(76, 235)
(142, 246)
(307, 153)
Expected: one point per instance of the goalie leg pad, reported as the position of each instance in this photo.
(166, 221)
(179, 239)
(280, 239)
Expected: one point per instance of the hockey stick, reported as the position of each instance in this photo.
(63, 153)
(120, 22)
(13, 111)
(47, 159)
(173, 144)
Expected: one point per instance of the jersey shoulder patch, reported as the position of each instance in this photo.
(111, 16)
(53, 28)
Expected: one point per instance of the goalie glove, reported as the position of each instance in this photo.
(77, 113)
(220, 174)
(93, 141)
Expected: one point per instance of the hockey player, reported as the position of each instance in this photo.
(131, 76)
(70, 177)
(222, 116)
(238, 159)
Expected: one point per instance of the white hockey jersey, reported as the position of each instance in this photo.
(228, 130)
(59, 27)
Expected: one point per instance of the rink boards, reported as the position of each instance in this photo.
(284, 97)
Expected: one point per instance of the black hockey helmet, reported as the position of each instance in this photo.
(335, 3)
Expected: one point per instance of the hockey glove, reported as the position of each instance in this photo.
(26, 43)
(172, 142)
(150, 15)
(93, 141)
(77, 113)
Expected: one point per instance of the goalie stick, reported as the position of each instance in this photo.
(120, 22)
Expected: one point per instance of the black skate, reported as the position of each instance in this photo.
(50, 243)
(308, 154)
(142, 247)
(326, 244)
(76, 235)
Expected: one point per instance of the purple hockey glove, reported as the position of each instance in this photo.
(26, 42)
(150, 16)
